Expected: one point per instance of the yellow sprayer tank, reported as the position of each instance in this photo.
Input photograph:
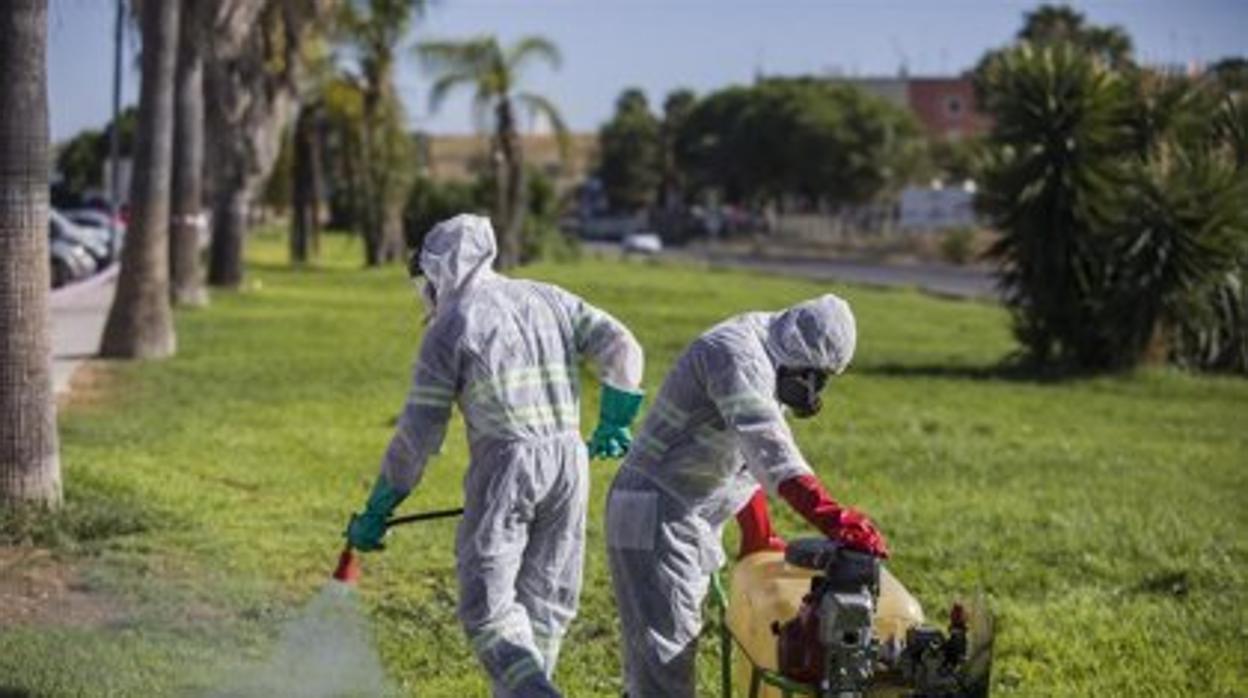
(765, 589)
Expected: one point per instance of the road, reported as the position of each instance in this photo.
(78, 314)
(937, 279)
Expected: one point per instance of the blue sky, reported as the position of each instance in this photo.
(660, 45)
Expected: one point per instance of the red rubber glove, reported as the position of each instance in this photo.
(849, 526)
(755, 523)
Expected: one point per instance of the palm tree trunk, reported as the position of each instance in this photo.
(140, 323)
(188, 165)
(229, 226)
(29, 459)
(511, 184)
(305, 189)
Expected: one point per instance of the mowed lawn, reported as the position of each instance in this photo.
(1105, 519)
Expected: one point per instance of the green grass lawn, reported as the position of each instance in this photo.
(1104, 518)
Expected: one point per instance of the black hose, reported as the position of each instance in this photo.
(424, 516)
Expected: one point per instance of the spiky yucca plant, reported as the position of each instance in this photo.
(1122, 209)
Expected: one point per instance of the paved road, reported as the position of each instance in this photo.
(938, 279)
(78, 315)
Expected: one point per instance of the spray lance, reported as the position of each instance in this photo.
(348, 569)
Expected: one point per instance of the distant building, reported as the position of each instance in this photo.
(945, 106)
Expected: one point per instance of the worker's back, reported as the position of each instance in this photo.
(518, 360)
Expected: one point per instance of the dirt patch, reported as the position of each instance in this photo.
(38, 589)
(91, 385)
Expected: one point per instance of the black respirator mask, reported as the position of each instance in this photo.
(799, 388)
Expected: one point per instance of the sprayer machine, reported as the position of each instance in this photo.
(826, 621)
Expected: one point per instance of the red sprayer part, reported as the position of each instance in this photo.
(348, 570)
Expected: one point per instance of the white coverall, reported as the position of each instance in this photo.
(508, 352)
(714, 433)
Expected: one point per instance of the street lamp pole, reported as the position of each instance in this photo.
(114, 135)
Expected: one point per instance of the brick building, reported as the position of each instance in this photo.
(945, 106)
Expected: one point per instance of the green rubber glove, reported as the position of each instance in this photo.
(365, 530)
(612, 438)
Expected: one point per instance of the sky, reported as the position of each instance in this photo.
(661, 45)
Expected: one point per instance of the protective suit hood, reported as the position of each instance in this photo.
(458, 253)
(818, 333)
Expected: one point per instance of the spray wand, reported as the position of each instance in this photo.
(348, 569)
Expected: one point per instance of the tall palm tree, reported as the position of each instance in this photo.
(493, 72)
(140, 323)
(29, 461)
(188, 161)
(374, 28)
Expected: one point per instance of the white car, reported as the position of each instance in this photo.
(642, 243)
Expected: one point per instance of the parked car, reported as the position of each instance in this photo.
(69, 262)
(642, 243)
(95, 220)
(96, 241)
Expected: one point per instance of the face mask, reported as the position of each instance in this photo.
(799, 388)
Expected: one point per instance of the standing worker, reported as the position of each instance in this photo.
(716, 432)
(508, 352)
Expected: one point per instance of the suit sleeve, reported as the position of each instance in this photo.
(742, 388)
(607, 343)
(422, 423)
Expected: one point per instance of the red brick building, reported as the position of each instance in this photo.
(945, 106)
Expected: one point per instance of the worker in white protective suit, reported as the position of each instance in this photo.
(714, 434)
(508, 353)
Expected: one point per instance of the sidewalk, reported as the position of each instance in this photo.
(78, 313)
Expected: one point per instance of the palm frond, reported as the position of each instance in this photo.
(532, 48)
(540, 106)
(445, 84)
(439, 56)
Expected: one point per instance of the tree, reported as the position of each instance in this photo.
(374, 28)
(188, 162)
(1122, 211)
(677, 107)
(1049, 24)
(305, 225)
(630, 152)
(29, 456)
(251, 78)
(493, 73)
(1231, 73)
(81, 159)
(140, 322)
(829, 145)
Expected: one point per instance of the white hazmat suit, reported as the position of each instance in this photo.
(713, 434)
(508, 353)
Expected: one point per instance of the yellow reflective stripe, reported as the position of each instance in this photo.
(674, 416)
(485, 640)
(520, 671)
(534, 415)
(648, 444)
(743, 402)
(523, 377)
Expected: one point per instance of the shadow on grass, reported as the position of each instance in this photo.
(11, 692)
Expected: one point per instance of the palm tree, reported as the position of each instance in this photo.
(493, 72)
(374, 29)
(188, 161)
(140, 323)
(29, 460)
